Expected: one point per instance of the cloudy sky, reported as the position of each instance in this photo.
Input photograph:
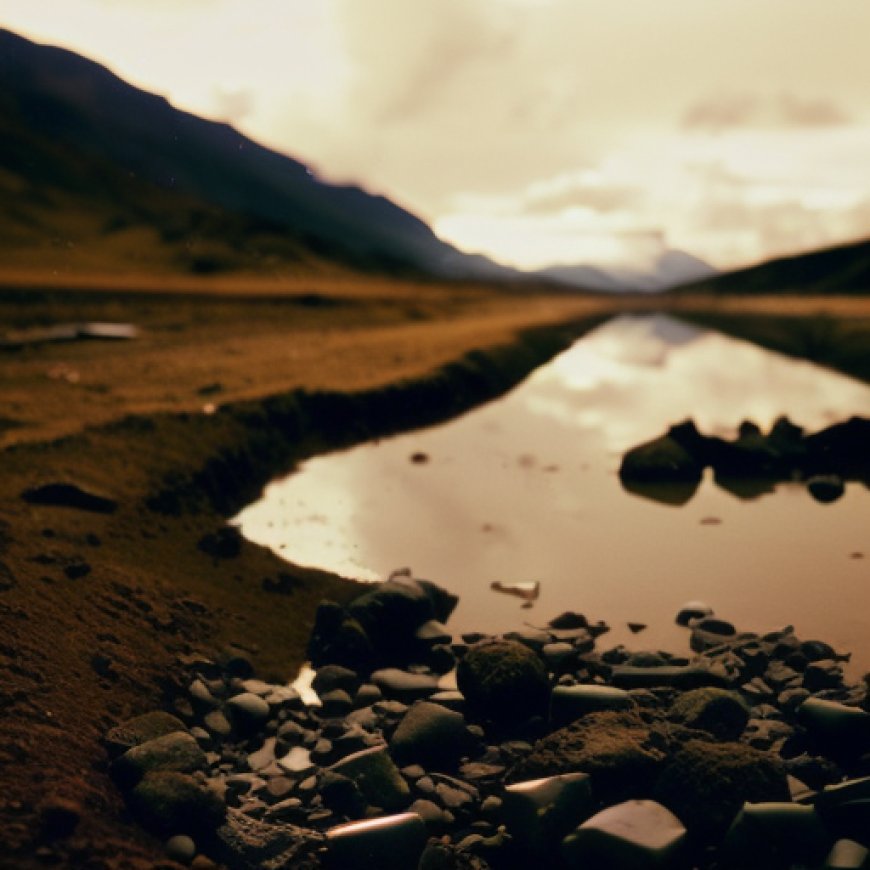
(537, 131)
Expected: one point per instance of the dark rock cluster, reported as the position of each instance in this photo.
(670, 467)
(532, 748)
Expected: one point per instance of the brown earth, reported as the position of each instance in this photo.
(227, 385)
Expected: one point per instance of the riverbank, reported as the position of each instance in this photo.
(157, 440)
(107, 581)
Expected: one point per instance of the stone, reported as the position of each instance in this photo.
(141, 729)
(217, 724)
(431, 814)
(710, 632)
(336, 702)
(177, 751)
(432, 633)
(407, 687)
(837, 728)
(568, 703)
(693, 610)
(331, 677)
(248, 711)
(180, 848)
(503, 681)
(826, 488)
(296, 761)
(264, 756)
(377, 777)
(662, 460)
(69, 495)
(431, 735)
(341, 794)
(248, 844)
(366, 695)
(633, 835)
(171, 802)
(616, 748)
(776, 834)
(721, 713)
(705, 784)
(388, 843)
(538, 814)
(676, 676)
(846, 854)
(845, 808)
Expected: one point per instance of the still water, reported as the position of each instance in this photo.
(526, 489)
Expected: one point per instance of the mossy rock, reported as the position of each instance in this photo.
(503, 681)
(141, 729)
(169, 802)
(719, 712)
(706, 784)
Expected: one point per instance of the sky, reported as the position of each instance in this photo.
(535, 131)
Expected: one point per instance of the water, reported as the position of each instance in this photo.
(526, 489)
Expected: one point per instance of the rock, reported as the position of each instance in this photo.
(216, 723)
(248, 844)
(634, 835)
(248, 711)
(617, 749)
(331, 677)
(710, 632)
(389, 843)
(377, 777)
(847, 855)
(693, 610)
(539, 813)
(141, 729)
(296, 761)
(171, 802)
(341, 795)
(432, 633)
(264, 756)
(663, 460)
(69, 495)
(840, 449)
(845, 808)
(503, 681)
(837, 728)
(719, 712)
(431, 735)
(178, 751)
(705, 784)
(236, 663)
(775, 834)
(676, 676)
(335, 703)
(225, 543)
(339, 639)
(180, 848)
(826, 488)
(568, 703)
(403, 685)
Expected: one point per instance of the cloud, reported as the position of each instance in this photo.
(749, 110)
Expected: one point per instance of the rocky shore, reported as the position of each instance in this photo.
(423, 750)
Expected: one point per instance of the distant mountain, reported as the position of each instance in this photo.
(844, 269)
(89, 163)
(669, 269)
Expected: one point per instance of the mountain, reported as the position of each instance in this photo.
(90, 165)
(844, 269)
(668, 270)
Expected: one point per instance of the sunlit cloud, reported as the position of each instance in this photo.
(752, 110)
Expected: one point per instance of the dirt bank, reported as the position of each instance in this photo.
(173, 431)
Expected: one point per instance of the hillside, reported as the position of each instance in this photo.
(98, 174)
(843, 270)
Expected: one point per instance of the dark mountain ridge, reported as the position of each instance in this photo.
(69, 122)
(844, 269)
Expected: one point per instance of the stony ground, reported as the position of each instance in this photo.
(120, 461)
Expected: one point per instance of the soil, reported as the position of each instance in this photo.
(226, 386)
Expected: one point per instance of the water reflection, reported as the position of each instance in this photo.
(525, 489)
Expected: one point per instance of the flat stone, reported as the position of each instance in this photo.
(633, 835)
(264, 756)
(846, 854)
(217, 724)
(677, 676)
(838, 728)
(376, 776)
(388, 843)
(539, 813)
(249, 707)
(296, 761)
(405, 686)
(776, 834)
(69, 495)
(141, 729)
(568, 703)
